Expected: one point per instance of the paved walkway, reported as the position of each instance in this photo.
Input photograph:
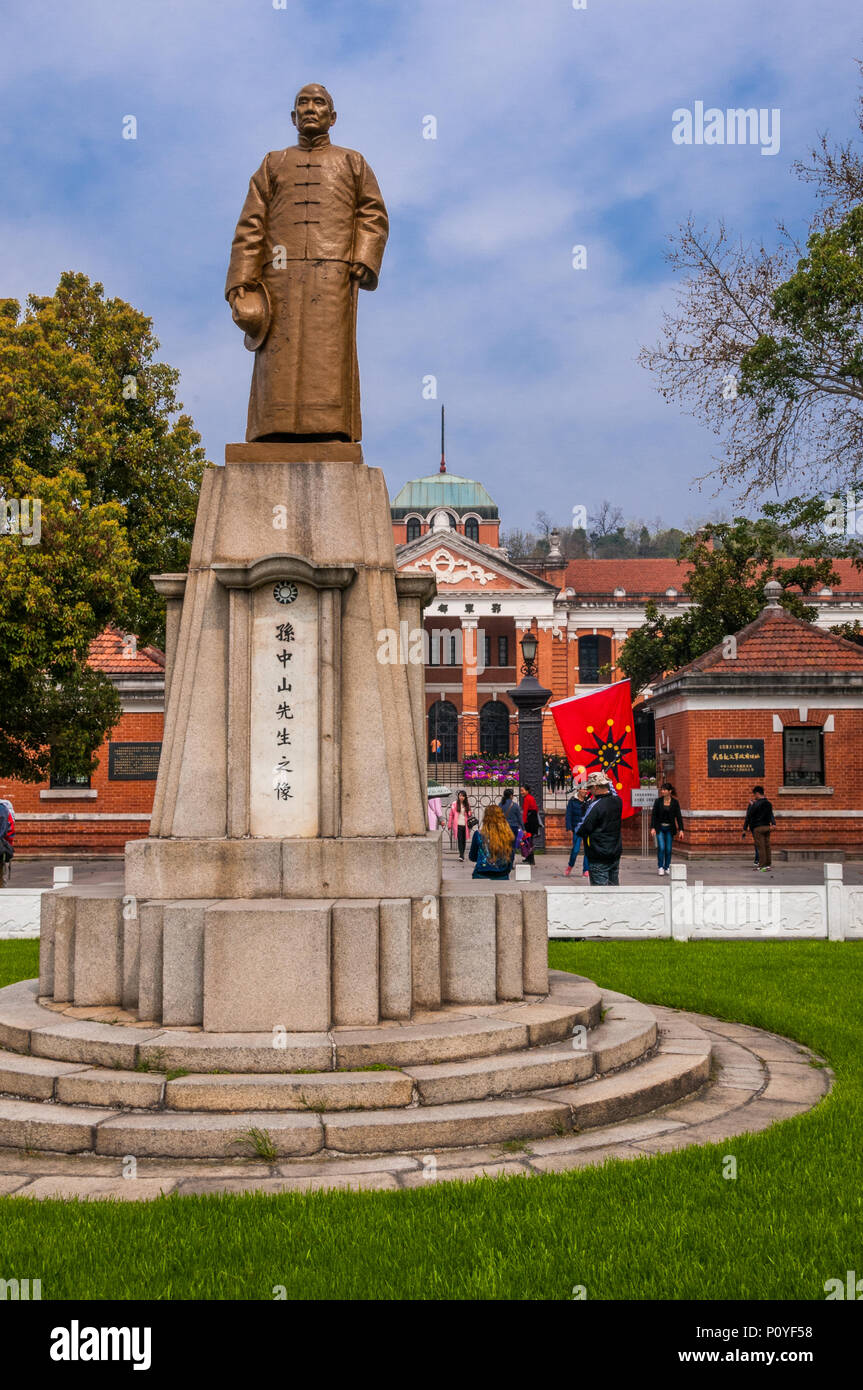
(634, 870)
(38, 873)
(759, 1079)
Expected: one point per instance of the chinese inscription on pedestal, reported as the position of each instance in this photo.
(284, 734)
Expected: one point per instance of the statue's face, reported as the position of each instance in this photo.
(313, 114)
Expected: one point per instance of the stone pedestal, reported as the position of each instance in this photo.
(292, 570)
(292, 964)
(289, 880)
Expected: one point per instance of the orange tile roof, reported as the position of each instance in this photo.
(107, 654)
(777, 641)
(642, 577)
(637, 577)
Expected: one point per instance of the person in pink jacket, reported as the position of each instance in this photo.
(457, 821)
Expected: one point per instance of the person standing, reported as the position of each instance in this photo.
(600, 830)
(530, 815)
(760, 820)
(7, 838)
(457, 821)
(665, 820)
(512, 814)
(575, 811)
(492, 849)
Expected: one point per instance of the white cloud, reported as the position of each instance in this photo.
(553, 129)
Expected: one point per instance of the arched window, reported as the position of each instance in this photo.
(494, 728)
(414, 529)
(471, 529)
(443, 729)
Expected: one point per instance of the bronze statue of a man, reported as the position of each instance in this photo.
(311, 234)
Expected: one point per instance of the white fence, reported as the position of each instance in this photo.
(20, 911)
(678, 909)
(688, 911)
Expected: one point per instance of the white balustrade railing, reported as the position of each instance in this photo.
(684, 911)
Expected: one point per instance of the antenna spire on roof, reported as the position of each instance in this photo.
(442, 441)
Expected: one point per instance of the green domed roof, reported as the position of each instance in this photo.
(444, 490)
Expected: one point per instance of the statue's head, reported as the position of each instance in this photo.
(313, 112)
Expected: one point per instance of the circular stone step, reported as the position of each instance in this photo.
(617, 1042)
(759, 1079)
(457, 1077)
(448, 1034)
(166, 1133)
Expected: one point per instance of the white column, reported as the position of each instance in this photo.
(835, 894)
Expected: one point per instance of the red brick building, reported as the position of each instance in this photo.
(779, 704)
(99, 815)
(582, 612)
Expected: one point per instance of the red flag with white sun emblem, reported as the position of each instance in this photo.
(598, 733)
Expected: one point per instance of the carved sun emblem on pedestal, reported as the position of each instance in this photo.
(285, 591)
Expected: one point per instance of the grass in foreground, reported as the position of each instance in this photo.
(654, 1228)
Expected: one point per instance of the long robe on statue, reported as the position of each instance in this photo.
(312, 210)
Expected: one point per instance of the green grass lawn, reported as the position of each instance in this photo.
(655, 1228)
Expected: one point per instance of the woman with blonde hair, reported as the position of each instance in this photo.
(493, 847)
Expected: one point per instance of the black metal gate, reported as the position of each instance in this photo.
(442, 732)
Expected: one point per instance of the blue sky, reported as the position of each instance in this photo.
(553, 129)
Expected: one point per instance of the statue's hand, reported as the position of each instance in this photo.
(248, 308)
(362, 273)
(238, 293)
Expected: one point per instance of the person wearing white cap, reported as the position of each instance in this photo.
(600, 832)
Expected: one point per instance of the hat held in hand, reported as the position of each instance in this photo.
(252, 312)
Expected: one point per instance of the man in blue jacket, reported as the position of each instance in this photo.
(576, 809)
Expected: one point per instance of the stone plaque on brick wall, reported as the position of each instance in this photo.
(133, 762)
(284, 784)
(735, 757)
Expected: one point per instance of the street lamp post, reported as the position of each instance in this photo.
(529, 697)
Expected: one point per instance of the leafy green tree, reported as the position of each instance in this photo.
(663, 542)
(614, 545)
(80, 389)
(808, 368)
(730, 564)
(56, 595)
(573, 542)
(765, 344)
(852, 632)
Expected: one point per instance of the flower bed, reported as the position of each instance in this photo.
(488, 771)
